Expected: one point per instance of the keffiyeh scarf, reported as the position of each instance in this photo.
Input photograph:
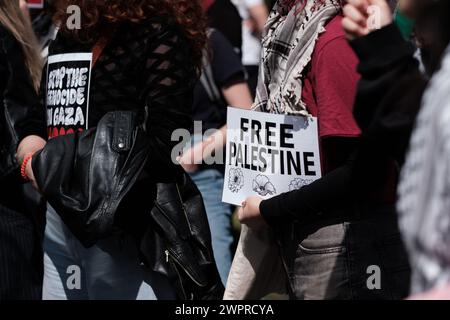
(288, 43)
(424, 188)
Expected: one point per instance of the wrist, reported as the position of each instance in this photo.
(29, 145)
(381, 48)
(269, 211)
(23, 166)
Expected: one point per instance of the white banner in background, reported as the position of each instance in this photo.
(269, 154)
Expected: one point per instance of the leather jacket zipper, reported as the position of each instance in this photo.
(170, 256)
(178, 273)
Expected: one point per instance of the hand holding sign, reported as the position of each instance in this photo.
(249, 213)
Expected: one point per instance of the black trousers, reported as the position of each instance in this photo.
(21, 257)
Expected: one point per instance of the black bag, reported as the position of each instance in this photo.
(86, 175)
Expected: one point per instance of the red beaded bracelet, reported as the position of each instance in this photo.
(23, 167)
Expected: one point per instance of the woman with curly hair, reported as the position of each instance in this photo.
(127, 55)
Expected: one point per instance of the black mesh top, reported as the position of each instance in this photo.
(145, 64)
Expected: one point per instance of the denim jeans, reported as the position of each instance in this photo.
(210, 183)
(109, 270)
(359, 259)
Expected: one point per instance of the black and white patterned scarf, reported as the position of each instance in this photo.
(424, 188)
(288, 43)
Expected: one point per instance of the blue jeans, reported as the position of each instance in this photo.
(109, 270)
(210, 184)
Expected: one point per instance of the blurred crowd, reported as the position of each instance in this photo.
(93, 205)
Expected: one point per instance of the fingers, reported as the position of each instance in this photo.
(241, 215)
(352, 29)
(244, 214)
(355, 15)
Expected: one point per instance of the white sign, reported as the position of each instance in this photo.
(67, 96)
(269, 154)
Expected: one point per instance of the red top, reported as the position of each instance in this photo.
(330, 84)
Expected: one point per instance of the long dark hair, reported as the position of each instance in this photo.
(98, 16)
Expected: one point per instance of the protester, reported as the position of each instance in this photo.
(110, 228)
(392, 116)
(222, 84)
(20, 122)
(423, 202)
(329, 235)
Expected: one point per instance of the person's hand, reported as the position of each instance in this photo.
(249, 213)
(187, 161)
(189, 168)
(364, 16)
(29, 146)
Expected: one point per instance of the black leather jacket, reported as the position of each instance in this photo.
(87, 176)
(21, 114)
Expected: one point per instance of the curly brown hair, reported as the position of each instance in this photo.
(99, 15)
